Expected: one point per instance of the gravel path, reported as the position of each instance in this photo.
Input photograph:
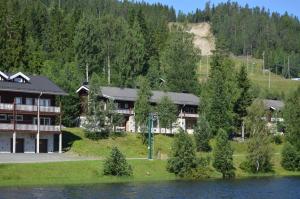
(41, 158)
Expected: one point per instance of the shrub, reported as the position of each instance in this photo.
(277, 139)
(223, 160)
(183, 157)
(116, 164)
(97, 135)
(290, 157)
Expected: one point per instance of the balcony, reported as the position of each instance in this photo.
(193, 115)
(30, 127)
(125, 111)
(30, 108)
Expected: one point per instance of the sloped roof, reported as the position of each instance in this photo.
(37, 84)
(274, 104)
(130, 94)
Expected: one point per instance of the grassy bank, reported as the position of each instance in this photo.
(83, 172)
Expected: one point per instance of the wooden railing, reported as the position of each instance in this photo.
(125, 111)
(30, 127)
(30, 108)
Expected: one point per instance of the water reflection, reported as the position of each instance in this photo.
(275, 188)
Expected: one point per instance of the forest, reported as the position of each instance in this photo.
(123, 41)
(254, 31)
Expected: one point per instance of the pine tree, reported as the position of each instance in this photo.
(180, 59)
(202, 134)
(183, 158)
(142, 105)
(116, 164)
(222, 93)
(167, 112)
(222, 155)
(245, 98)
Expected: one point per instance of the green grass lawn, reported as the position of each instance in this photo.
(131, 144)
(83, 172)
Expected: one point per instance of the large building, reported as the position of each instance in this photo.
(30, 114)
(125, 98)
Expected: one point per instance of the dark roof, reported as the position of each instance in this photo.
(130, 94)
(274, 104)
(37, 84)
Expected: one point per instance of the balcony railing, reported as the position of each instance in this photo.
(125, 111)
(30, 108)
(30, 127)
(188, 115)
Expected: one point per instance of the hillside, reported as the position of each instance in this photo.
(278, 83)
(205, 41)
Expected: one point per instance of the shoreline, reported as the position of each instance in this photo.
(87, 173)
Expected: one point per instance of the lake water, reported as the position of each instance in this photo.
(274, 188)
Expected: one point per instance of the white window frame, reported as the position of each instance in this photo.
(29, 99)
(21, 102)
(19, 120)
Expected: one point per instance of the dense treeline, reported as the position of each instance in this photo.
(119, 41)
(254, 31)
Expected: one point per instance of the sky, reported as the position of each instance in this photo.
(291, 6)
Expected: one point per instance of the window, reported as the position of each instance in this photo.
(126, 106)
(19, 118)
(3, 117)
(19, 80)
(18, 100)
(29, 101)
(43, 121)
(43, 102)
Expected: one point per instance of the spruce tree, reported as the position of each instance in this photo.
(245, 98)
(116, 164)
(222, 93)
(167, 113)
(142, 105)
(202, 134)
(222, 155)
(183, 157)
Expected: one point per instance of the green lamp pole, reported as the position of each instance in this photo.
(149, 137)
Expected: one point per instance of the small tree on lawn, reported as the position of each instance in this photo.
(116, 164)
(222, 156)
(183, 157)
(113, 117)
(167, 112)
(95, 120)
(202, 134)
(259, 146)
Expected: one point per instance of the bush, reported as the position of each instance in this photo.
(104, 134)
(290, 157)
(183, 157)
(116, 164)
(277, 139)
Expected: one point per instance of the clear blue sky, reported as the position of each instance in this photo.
(291, 6)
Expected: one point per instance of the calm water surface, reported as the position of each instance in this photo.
(274, 188)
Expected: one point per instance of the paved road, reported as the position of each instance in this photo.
(41, 158)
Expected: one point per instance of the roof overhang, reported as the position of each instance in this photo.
(4, 75)
(20, 74)
(35, 92)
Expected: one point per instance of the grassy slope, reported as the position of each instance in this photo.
(91, 171)
(278, 83)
